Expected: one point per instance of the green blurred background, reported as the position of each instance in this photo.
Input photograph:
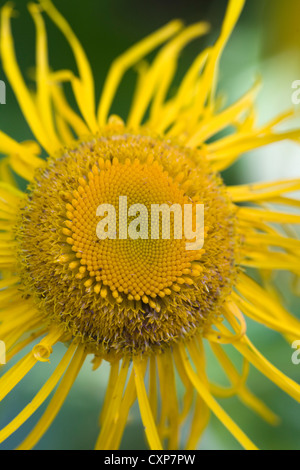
(266, 41)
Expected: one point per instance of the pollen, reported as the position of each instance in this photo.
(118, 294)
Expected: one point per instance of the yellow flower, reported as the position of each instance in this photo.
(145, 305)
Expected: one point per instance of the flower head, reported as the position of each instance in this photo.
(145, 304)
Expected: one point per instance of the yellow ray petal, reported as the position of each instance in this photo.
(19, 323)
(58, 399)
(84, 87)
(251, 214)
(189, 389)
(117, 430)
(213, 124)
(5, 172)
(233, 146)
(241, 390)
(127, 60)
(269, 260)
(17, 308)
(247, 349)
(43, 87)
(40, 397)
(232, 313)
(12, 340)
(21, 91)
(64, 130)
(270, 309)
(9, 146)
(199, 423)
(263, 241)
(289, 201)
(145, 410)
(259, 314)
(41, 352)
(208, 81)
(169, 423)
(153, 386)
(213, 405)
(264, 191)
(157, 79)
(10, 281)
(67, 113)
(176, 110)
(12, 351)
(113, 376)
(202, 411)
(9, 194)
(113, 407)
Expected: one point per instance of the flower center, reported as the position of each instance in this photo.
(103, 247)
(138, 268)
